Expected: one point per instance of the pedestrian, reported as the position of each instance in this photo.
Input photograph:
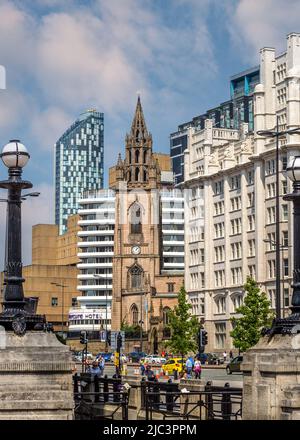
(142, 367)
(101, 364)
(149, 373)
(189, 368)
(230, 355)
(94, 369)
(197, 369)
(225, 356)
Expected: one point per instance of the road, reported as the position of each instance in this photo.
(217, 375)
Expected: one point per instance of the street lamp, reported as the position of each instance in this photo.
(291, 324)
(17, 313)
(104, 276)
(62, 303)
(275, 133)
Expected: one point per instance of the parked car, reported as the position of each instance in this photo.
(106, 356)
(172, 365)
(234, 366)
(136, 356)
(210, 358)
(155, 359)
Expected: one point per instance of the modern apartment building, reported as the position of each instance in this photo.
(172, 206)
(231, 214)
(78, 164)
(95, 253)
(230, 114)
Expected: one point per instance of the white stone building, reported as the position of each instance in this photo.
(230, 217)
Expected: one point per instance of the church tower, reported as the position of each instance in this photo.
(137, 256)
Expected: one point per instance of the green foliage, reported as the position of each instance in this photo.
(256, 315)
(130, 330)
(184, 327)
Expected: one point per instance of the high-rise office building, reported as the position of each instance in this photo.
(78, 164)
(230, 114)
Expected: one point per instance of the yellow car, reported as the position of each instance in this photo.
(173, 364)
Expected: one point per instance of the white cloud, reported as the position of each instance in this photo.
(263, 23)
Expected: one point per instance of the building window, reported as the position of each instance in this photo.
(250, 177)
(171, 287)
(251, 248)
(54, 302)
(251, 222)
(286, 297)
(284, 163)
(237, 301)
(270, 167)
(220, 303)
(220, 333)
(252, 271)
(166, 311)
(286, 267)
(135, 219)
(136, 273)
(219, 187)
(271, 268)
(272, 297)
(235, 182)
(284, 187)
(134, 315)
(285, 212)
(74, 302)
(271, 215)
(285, 238)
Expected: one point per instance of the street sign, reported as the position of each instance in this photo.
(113, 340)
(102, 335)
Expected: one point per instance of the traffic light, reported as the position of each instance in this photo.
(202, 339)
(108, 337)
(83, 338)
(119, 342)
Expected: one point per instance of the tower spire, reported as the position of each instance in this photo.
(138, 127)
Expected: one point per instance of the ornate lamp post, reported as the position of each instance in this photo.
(18, 313)
(291, 324)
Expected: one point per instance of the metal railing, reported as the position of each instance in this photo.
(213, 403)
(98, 398)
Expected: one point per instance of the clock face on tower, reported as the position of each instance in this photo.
(135, 250)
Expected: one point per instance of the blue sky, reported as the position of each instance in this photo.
(64, 57)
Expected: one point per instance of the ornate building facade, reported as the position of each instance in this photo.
(144, 287)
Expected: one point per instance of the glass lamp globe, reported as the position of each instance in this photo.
(293, 169)
(14, 154)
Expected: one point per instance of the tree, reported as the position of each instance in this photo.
(184, 327)
(256, 314)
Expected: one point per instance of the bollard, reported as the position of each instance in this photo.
(105, 388)
(175, 374)
(96, 388)
(143, 393)
(156, 396)
(226, 405)
(209, 402)
(169, 396)
(125, 397)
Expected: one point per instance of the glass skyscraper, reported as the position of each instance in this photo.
(79, 156)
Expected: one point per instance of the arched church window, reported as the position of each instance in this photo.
(129, 156)
(145, 156)
(145, 176)
(135, 219)
(134, 312)
(137, 156)
(166, 311)
(137, 174)
(136, 273)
